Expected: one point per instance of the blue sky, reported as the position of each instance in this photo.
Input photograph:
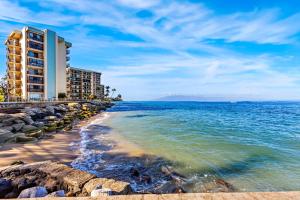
(234, 49)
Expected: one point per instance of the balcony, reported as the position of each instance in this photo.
(67, 51)
(35, 37)
(67, 58)
(14, 73)
(12, 68)
(35, 62)
(15, 76)
(35, 72)
(13, 43)
(36, 46)
(40, 74)
(35, 80)
(14, 52)
(35, 90)
(14, 59)
(35, 55)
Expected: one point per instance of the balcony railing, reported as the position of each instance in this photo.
(68, 58)
(35, 90)
(67, 51)
(14, 52)
(34, 45)
(36, 38)
(13, 43)
(35, 82)
(35, 62)
(16, 78)
(35, 73)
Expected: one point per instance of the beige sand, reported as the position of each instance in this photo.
(57, 148)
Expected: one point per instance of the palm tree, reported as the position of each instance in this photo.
(119, 97)
(107, 91)
(113, 91)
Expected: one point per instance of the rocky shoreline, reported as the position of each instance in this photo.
(54, 179)
(34, 123)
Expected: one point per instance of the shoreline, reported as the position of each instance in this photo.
(93, 147)
(56, 148)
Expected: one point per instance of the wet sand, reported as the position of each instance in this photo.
(56, 148)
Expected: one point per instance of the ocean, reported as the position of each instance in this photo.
(254, 146)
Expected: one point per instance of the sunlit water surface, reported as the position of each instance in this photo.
(253, 146)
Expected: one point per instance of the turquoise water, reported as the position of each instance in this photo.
(253, 146)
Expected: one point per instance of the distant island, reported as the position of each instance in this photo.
(195, 98)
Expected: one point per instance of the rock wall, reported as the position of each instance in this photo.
(53, 177)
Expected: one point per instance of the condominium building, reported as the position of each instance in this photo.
(81, 84)
(36, 64)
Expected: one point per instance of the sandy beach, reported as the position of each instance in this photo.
(56, 148)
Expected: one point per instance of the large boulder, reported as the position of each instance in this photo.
(28, 120)
(117, 187)
(101, 192)
(33, 192)
(5, 187)
(70, 179)
(38, 124)
(8, 121)
(5, 135)
(35, 134)
(75, 180)
(50, 109)
(23, 139)
(8, 128)
(18, 127)
(29, 129)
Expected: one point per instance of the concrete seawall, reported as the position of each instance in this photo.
(198, 196)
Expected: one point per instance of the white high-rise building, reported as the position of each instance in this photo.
(36, 64)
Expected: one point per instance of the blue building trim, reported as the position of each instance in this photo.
(51, 64)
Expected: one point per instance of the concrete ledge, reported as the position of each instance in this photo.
(198, 196)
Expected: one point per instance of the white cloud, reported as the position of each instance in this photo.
(139, 3)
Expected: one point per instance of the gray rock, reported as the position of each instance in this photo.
(8, 121)
(5, 187)
(17, 162)
(33, 192)
(59, 193)
(38, 124)
(14, 136)
(18, 127)
(29, 128)
(35, 134)
(101, 192)
(60, 108)
(21, 139)
(117, 187)
(28, 120)
(59, 115)
(18, 121)
(5, 135)
(11, 195)
(50, 109)
(8, 128)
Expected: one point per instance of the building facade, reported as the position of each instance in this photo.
(81, 84)
(36, 64)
